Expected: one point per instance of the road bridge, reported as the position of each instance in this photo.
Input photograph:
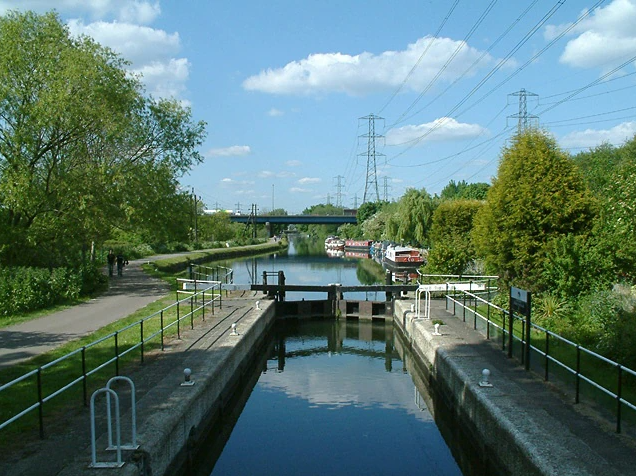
(295, 219)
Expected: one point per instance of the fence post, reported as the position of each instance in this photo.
(116, 353)
(454, 298)
(203, 305)
(511, 318)
(84, 384)
(40, 409)
(578, 372)
(619, 391)
(161, 317)
(503, 330)
(141, 342)
(547, 354)
(464, 305)
(475, 313)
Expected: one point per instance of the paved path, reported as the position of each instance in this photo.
(126, 294)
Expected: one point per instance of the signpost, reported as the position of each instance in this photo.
(520, 301)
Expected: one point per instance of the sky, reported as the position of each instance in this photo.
(324, 101)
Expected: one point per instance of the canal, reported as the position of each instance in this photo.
(332, 397)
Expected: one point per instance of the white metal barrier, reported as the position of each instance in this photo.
(427, 289)
(133, 410)
(105, 464)
(117, 445)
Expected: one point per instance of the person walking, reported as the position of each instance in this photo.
(121, 262)
(111, 258)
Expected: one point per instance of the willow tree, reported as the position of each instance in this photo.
(412, 221)
(77, 138)
(538, 196)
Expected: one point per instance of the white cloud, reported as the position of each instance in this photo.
(270, 174)
(365, 72)
(305, 180)
(229, 181)
(293, 163)
(299, 190)
(151, 53)
(442, 129)
(275, 112)
(138, 44)
(231, 151)
(607, 35)
(594, 137)
(135, 11)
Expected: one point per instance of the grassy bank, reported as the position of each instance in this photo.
(181, 262)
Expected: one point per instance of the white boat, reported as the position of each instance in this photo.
(403, 256)
(334, 243)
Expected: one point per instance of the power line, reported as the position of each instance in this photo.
(371, 154)
(459, 47)
(339, 190)
(490, 48)
(589, 85)
(523, 116)
(499, 65)
(419, 60)
(534, 57)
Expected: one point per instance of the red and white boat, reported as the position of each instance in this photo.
(358, 244)
(403, 256)
(334, 243)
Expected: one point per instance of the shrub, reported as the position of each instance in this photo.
(24, 289)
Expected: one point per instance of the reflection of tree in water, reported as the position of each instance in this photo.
(309, 246)
(369, 272)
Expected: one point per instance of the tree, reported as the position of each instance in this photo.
(412, 220)
(464, 191)
(451, 243)
(81, 147)
(368, 209)
(538, 196)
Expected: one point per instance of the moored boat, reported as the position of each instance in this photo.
(403, 256)
(334, 243)
(358, 244)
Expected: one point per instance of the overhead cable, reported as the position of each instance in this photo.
(419, 60)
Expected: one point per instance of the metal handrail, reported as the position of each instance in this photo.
(620, 400)
(41, 399)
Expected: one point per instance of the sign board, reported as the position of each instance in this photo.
(519, 299)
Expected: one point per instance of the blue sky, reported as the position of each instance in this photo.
(283, 86)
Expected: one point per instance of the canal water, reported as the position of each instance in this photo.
(310, 265)
(333, 397)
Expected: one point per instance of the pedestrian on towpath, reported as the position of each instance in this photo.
(121, 262)
(111, 258)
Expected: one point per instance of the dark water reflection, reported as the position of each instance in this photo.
(314, 267)
(333, 398)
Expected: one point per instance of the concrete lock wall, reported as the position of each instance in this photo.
(172, 419)
(479, 417)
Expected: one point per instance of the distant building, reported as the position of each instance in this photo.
(350, 212)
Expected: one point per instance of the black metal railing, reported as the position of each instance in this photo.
(34, 389)
(571, 363)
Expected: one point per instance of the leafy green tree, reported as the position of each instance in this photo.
(368, 209)
(451, 243)
(598, 165)
(538, 196)
(464, 191)
(321, 231)
(349, 230)
(82, 149)
(412, 220)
